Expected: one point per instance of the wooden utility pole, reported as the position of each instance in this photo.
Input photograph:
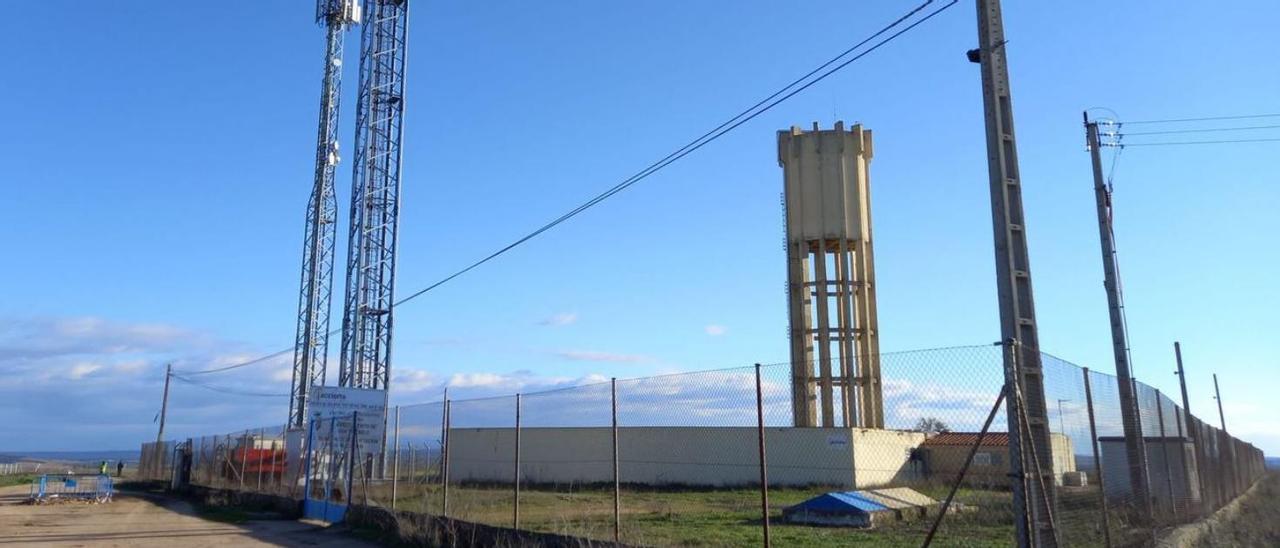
(164, 402)
(157, 460)
(1033, 496)
(1135, 449)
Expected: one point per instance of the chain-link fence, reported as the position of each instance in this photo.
(155, 462)
(17, 468)
(713, 458)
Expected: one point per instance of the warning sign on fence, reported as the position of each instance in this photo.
(340, 403)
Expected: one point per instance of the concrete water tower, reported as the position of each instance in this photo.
(835, 364)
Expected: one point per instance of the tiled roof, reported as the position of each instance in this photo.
(992, 439)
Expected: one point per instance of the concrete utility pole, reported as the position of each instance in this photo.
(1182, 380)
(1032, 497)
(1218, 396)
(164, 401)
(1187, 417)
(1135, 450)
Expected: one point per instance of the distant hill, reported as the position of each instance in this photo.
(69, 456)
(1273, 463)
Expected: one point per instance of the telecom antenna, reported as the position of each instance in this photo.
(375, 197)
(311, 347)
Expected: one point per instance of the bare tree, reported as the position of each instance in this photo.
(932, 425)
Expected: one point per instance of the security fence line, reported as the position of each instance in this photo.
(15, 468)
(711, 457)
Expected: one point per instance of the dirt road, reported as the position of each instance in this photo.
(137, 521)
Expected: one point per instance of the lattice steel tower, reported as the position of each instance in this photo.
(311, 347)
(375, 197)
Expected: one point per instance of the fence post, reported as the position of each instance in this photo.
(617, 485)
(1164, 451)
(244, 456)
(515, 502)
(1097, 461)
(306, 482)
(278, 478)
(262, 436)
(764, 474)
(444, 462)
(351, 458)
(1182, 461)
(395, 461)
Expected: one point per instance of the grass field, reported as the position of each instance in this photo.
(731, 517)
(705, 517)
(16, 479)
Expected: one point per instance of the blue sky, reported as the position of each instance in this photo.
(157, 161)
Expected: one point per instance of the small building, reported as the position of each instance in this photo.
(863, 508)
(944, 455)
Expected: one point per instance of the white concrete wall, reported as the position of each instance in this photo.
(705, 456)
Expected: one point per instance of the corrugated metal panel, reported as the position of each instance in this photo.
(967, 438)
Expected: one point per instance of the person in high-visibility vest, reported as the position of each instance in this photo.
(102, 468)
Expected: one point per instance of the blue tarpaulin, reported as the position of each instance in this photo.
(856, 508)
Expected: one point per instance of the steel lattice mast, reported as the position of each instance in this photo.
(375, 197)
(312, 344)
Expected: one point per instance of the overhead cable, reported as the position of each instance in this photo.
(1201, 130)
(1207, 119)
(1172, 143)
(764, 105)
(225, 390)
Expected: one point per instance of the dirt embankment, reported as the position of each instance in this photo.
(1251, 520)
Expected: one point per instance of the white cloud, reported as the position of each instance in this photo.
(561, 319)
(89, 382)
(474, 380)
(82, 370)
(130, 367)
(594, 356)
(716, 330)
(282, 374)
(41, 338)
(413, 380)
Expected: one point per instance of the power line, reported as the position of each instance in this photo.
(1171, 143)
(1211, 118)
(250, 362)
(1203, 130)
(224, 390)
(743, 117)
(698, 143)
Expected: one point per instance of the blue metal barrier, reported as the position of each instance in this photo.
(97, 487)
